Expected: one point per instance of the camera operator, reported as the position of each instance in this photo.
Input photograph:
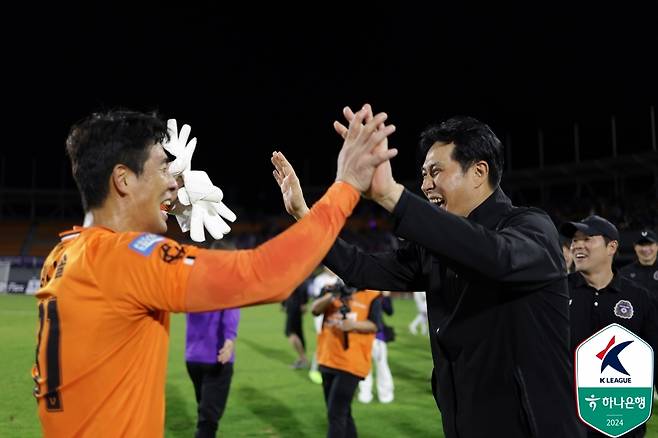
(351, 319)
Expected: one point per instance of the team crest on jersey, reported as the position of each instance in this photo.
(655, 275)
(624, 309)
(145, 243)
(171, 253)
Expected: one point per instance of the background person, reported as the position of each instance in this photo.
(209, 358)
(351, 319)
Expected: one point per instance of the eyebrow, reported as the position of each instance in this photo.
(430, 164)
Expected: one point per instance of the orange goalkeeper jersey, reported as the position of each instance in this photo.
(104, 306)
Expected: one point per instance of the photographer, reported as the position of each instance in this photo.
(351, 319)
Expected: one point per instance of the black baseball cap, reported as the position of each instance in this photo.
(646, 236)
(592, 226)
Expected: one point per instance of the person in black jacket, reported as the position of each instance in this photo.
(295, 306)
(495, 277)
(600, 296)
(645, 269)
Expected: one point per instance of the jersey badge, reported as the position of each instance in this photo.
(145, 243)
(624, 309)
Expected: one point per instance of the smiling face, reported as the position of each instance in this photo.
(152, 192)
(591, 253)
(646, 253)
(444, 182)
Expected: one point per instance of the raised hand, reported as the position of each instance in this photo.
(383, 189)
(363, 148)
(291, 190)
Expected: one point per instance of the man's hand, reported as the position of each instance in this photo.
(226, 352)
(291, 190)
(362, 149)
(176, 146)
(347, 325)
(383, 189)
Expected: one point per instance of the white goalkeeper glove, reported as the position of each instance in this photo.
(202, 205)
(199, 200)
(176, 147)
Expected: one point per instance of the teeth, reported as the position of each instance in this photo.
(165, 205)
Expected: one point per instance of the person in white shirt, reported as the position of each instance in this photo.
(419, 324)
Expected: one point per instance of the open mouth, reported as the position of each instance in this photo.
(438, 201)
(165, 207)
(580, 256)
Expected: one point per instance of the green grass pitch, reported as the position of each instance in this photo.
(267, 398)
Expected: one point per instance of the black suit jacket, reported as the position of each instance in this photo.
(498, 308)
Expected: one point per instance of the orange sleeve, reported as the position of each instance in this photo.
(270, 272)
(142, 271)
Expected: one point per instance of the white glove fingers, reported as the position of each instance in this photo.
(183, 196)
(172, 127)
(170, 146)
(225, 212)
(189, 151)
(215, 225)
(184, 135)
(196, 224)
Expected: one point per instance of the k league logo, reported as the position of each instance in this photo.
(610, 357)
(614, 380)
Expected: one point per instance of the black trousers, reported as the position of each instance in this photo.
(294, 325)
(339, 388)
(211, 385)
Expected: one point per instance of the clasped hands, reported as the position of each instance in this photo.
(363, 162)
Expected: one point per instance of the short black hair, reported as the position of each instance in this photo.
(474, 141)
(104, 139)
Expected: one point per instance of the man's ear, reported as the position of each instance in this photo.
(613, 245)
(121, 179)
(480, 173)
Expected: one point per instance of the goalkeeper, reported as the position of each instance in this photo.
(107, 289)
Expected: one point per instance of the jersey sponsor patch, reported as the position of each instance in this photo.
(145, 243)
(624, 309)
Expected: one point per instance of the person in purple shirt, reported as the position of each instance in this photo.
(209, 356)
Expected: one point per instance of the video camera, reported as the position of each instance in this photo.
(339, 290)
(344, 292)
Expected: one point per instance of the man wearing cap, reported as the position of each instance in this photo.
(645, 269)
(599, 296)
